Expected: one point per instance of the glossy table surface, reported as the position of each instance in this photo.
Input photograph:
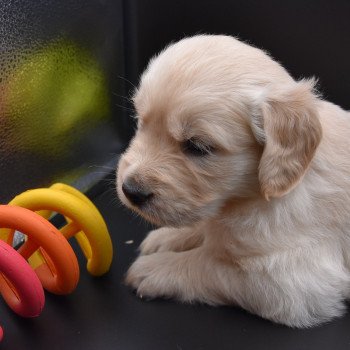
(103, 313)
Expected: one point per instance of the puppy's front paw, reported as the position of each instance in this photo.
(188, 276)
(160, 240)
(149, 276)
(168, 239)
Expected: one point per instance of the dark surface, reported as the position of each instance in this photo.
(104, 314)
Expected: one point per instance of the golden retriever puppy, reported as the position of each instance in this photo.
(247, 172)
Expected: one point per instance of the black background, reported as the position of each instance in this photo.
(310, 38)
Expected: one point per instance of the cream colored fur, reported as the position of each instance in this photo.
(263, 220)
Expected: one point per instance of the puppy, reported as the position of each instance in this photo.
(247, 172)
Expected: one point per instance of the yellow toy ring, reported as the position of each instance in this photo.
(83, 221)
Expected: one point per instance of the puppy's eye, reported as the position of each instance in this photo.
(195, 148)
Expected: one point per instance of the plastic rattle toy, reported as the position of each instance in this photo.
(49, 254)
(84, 222)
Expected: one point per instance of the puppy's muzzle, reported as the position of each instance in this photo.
(135, 192)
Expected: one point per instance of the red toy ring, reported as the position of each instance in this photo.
(19, 285)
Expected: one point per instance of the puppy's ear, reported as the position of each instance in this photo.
(290, 131)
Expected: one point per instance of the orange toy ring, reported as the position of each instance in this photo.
(60, 272)
(84, 222)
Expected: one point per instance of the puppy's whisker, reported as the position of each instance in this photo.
(132, 110)
(128, 81)
(126, 98)
(101, 172)
(109, 170)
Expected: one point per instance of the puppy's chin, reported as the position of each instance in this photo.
(172, 213)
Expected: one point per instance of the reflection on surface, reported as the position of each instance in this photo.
(59, 66)
(52, 98)
(50, 101)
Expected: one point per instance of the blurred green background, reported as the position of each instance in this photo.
(61, 91)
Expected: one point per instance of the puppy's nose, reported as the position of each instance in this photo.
(135, 193)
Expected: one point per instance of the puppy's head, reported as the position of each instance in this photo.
(217, 120)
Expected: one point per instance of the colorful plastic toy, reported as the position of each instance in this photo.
(47, 251)
(84, 222)
(51, 258)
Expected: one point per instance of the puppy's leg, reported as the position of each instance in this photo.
(303, 287)
(298, 289)
(189, 276)
(171, 239)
